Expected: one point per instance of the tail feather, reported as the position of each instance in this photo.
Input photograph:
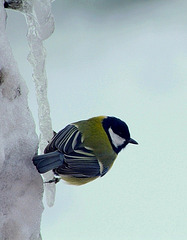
(48, 161)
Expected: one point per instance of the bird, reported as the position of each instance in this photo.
(84, 150)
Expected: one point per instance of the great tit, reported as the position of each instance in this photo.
(84, 150)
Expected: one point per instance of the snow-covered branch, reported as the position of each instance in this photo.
(20, 185)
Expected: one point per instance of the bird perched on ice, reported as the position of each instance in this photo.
(84, 150)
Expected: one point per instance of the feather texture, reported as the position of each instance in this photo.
(79, 161)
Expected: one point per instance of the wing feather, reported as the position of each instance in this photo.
(79, 160)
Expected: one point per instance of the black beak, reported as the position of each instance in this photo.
(132, 141)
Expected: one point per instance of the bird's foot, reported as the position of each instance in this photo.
(54, 180)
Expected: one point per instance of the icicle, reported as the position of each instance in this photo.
(40, 24)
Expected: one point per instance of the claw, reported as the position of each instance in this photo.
(54, 180)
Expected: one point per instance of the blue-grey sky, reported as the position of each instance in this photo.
(127, 59)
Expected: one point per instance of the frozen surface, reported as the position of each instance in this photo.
(20, 185)
(40, 24)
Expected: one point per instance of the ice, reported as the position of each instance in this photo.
(40, 24)
(21, 186)
(45, 20)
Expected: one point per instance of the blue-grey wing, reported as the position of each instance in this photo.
(79, 160)
(64, 140)
(82, 167)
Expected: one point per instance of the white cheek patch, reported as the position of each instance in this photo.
(116, 139)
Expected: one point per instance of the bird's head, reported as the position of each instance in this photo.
(118, 133)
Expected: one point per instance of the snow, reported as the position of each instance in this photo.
(20, 185)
